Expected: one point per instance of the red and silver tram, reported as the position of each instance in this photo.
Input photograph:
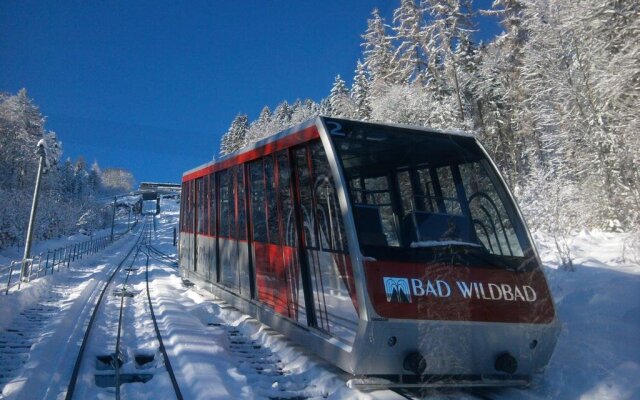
(390, 251)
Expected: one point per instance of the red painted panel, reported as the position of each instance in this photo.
(458, 293)
(271, 277)
(293, 139)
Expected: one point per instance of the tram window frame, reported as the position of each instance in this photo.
(333, 232)
(305, 194)
(257, 205)
(183, 191)
(286, 206)
(271, 207)
(212, 205)
(190, 206)
(225, 207)
(241, 209)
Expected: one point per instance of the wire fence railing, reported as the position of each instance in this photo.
(47, 262)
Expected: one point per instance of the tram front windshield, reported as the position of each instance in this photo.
(424, 196)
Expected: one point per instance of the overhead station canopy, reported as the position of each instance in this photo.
(159, 187)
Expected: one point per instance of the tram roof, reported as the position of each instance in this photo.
(311, 123)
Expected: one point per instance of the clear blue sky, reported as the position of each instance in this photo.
(151, 86)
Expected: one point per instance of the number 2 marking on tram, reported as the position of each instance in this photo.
(337, 128)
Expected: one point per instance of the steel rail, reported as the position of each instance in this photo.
(116, 361)
(85, 339)
(167, 363)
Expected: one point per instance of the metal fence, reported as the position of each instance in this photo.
(47, 262)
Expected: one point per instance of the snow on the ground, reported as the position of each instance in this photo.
(598, 351)
(597, 356)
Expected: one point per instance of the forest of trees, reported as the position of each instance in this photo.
(554, 98)
(74, 195)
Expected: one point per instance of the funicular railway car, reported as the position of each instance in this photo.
(393, 252)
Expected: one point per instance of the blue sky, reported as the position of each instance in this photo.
(151, 86)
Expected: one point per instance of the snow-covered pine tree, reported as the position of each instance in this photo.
(360, 93)
(236, 136)
(93, 180)
(506, 127)
(304, 110)
(261, 125)
(379, 54)
(448, 36)
(409, 34)
(341, 104)
(225, 144)
(281, 116)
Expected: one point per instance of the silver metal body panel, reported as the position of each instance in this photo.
(452, 347)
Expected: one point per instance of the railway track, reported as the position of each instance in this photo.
(118, 346)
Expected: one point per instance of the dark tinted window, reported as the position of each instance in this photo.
(212, 204)
(306, 197)
(272, 206)
(257, 195)
(242, 222)
(226, 199)
(285, 199)
(426, 190)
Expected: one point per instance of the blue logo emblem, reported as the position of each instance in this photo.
(397, 290)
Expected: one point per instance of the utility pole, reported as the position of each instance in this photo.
(26, 259)
(113, 215)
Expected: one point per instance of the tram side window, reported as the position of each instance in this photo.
(225, 203)
(272, 208)
(306, 202)
(190, 206)
(183, 197)
(491, 221)
(257, 193)
(284, 198)
(328, 217)
(322, 219)
(212, 204)
(242, 222)
(201, 211)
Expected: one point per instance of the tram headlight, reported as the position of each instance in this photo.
(415, 363)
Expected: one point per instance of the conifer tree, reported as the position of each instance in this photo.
(409, 34)
(360, 93)
(448, 36)
(339, 99)
(236, 136)
(378, 53)
(282, 115)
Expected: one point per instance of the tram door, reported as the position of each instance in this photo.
(274, 236)
(232, 236)
(332, 305)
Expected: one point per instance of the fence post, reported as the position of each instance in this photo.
(46, 265)
(10, 272)
(39, 264)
